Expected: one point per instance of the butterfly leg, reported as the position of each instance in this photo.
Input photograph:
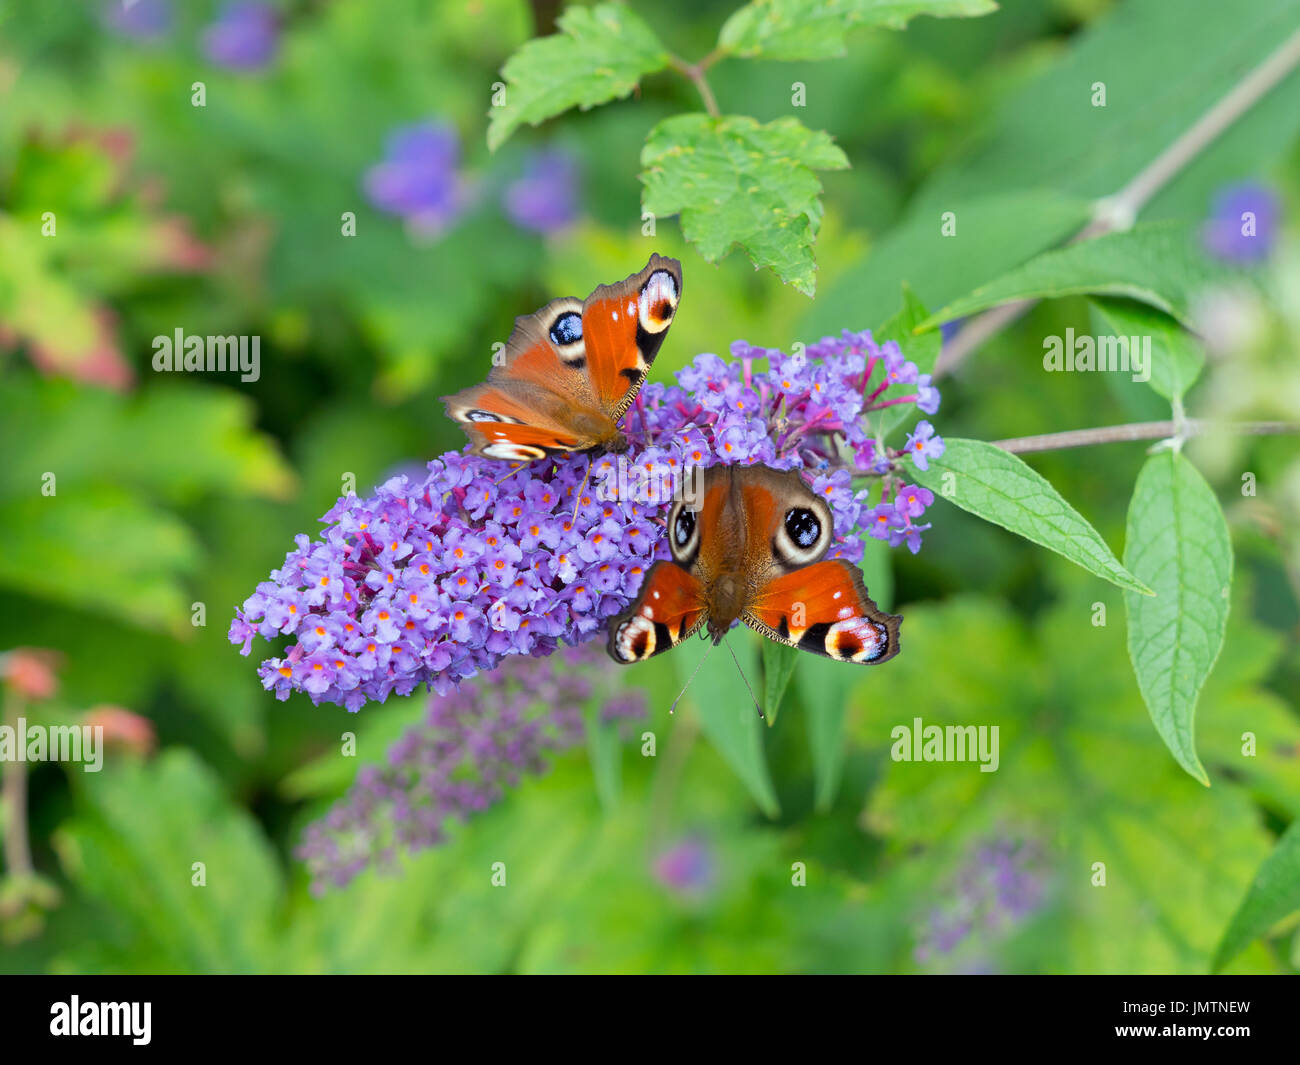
(577, 501)
(513, 470)
(746, 680)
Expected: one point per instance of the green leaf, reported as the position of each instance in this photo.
(728, 717)
(1273, 894)
(1080, 774)
(815, 29)
(599, 55)
(737, 181)
(824, 687)
(995, 233)
(997, 486)
(779, 660)
(1176, 356)
(922, 350)
(132, 844)
(1164, 65)
(139, 555)
(878, 569)
(1158, 264)
(1177, 542)
(605, 753)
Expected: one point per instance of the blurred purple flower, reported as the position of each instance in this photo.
(145, 20)
(417, 178)
(686, 868)
(1243, 223)
(1001, 884)
(545, 199)
(473, 745)
(245, 36)
(430, 581)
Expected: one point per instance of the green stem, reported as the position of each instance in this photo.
(695, 72)
(1111, 434)
(18, 854)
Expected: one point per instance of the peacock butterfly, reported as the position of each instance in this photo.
(750, 543)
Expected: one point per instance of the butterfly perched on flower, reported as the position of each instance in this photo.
(571, 370)
(750, 543)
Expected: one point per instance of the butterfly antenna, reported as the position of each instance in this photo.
(746, 680)
(673, 708)
(513, 471)
(578, 501)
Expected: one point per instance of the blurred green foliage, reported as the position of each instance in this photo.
(178, 490)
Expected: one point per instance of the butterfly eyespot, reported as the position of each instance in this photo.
(683, 533)
(477, 415)
(567, 329)
(683, 527)
(804, 535)
(658, 302)
(803, 526)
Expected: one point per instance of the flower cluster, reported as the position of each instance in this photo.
(420, 181)
(245, 35)
(1001, 884)
(471, 747)
(417, 177)
(1244, 223)
(432, 581)
(545, 199)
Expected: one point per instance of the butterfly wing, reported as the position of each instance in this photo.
(825, 608)
(570, 370)
(538, 400)
(669, 608)
(624, 325)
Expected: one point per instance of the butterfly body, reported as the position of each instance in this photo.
(571, 370)
(751, 546)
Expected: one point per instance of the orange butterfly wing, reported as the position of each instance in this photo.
(825, 608)
(669, 608)
(624, 325)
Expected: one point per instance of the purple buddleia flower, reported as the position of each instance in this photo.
(144, 20)
(687, 868)
(1244, 223)
(245, 36)
(417, 178)
(473, 745)
(430, 580)
(1001, 884)
(545, 199)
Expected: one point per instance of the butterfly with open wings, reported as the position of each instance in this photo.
(571, 370)
(750, 542)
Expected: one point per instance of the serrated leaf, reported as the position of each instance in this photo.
(815, 29)
(728, 717)
(779, 661)
(1177, 542)
(1273, 894)
(599, 55)
(921, 349)
(997, 486)
(1176, 356)
(1158, 264)
(735, 181)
